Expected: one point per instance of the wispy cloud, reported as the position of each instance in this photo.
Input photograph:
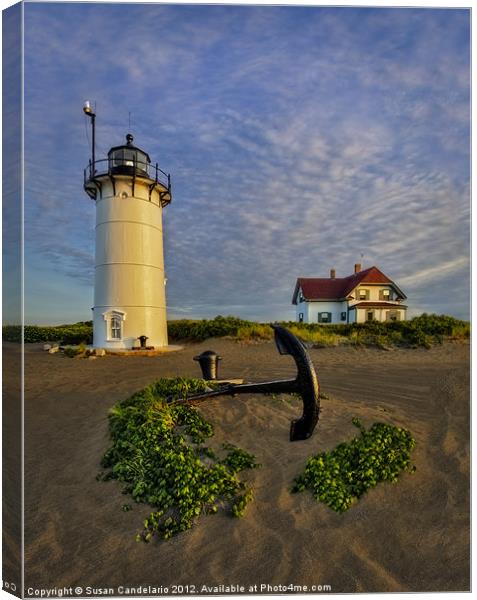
(296, 141)
(438, 272)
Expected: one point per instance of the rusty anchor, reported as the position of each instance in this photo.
(305, 384)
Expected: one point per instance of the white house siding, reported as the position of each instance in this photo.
(302, 308)
(335, 308)
(379, 313)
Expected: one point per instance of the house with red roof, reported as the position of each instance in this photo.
(367, 295)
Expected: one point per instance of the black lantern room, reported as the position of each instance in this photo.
(129, 160)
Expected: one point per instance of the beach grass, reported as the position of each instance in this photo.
(422, 331)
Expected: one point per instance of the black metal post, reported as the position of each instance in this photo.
(93, 141)
(209, 362)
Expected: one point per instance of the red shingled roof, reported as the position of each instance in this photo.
(338, 288)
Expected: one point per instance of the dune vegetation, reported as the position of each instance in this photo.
(340, 477)
(422, 331)
(158, 453)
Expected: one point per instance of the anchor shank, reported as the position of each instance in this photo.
(202, 396)
(267, 387)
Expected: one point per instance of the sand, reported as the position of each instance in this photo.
(410, 536)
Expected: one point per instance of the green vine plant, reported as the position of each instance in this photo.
(340, 477)
(158, 452)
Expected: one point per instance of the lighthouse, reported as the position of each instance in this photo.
(130, 193)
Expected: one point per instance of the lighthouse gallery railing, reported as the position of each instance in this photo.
(118, 166)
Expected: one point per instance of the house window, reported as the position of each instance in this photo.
(385, 295)
(300, 317)
(343, 316)
(300, 298)
(392, 315)
(363, 294)
(370, 315)
(324, 317)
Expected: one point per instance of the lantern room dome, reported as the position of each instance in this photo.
(128, 159)
(131, 162)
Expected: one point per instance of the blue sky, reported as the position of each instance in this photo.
(297, 139)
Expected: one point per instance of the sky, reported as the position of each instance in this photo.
(298, 139)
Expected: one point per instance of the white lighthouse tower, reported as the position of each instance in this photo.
(129, 284)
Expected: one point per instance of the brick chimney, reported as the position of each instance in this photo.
(332, 273)
(357, 267)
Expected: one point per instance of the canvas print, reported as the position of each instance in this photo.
(235, 299)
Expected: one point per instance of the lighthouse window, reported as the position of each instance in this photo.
(118, 159)
(115, 327)
(141, 161)
(129, 158)
(114, 320)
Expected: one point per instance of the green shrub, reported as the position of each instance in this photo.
(338, 478)
(254, 331)
(79, 333)
(157, 452)
(238, 459)
(198, 331)
(421, 331)
(72, 351)
(12, 333)
(320, 337)
(424, 331)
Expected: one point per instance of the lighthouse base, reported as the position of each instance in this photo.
(119, 329)
(155, 352)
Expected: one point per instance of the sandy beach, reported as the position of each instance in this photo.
(410, 536)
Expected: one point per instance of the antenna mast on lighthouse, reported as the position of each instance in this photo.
(88, 111)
